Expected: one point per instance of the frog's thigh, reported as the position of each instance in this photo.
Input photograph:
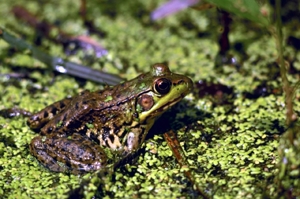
(62, 154)
(39, 149)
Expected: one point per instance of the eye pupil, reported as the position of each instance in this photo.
(162, 86)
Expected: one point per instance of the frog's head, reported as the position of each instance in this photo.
(164, 90)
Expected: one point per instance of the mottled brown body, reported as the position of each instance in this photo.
(74, 130)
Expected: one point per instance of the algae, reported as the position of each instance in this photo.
(232, 153)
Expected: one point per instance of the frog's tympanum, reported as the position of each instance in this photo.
(74, 131)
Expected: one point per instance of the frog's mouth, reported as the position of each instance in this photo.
(170, 104)
(162, 109)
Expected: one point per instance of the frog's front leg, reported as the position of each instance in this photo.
(61, 154)
(39, 119)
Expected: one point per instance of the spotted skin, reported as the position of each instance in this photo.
(74, 131)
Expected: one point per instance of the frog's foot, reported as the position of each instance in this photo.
(14, 112)
(61, 154)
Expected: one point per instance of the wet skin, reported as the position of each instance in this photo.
(74, 131)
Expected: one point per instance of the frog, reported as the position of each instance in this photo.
(76, 132)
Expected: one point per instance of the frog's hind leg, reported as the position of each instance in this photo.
(39, 119)
(39, 150)
(76, 154)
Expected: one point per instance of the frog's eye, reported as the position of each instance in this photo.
(162, 85)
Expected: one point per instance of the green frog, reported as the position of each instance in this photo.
(75, 131)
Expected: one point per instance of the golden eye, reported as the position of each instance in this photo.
(162, 86)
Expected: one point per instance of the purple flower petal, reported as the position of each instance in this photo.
(171, 7)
